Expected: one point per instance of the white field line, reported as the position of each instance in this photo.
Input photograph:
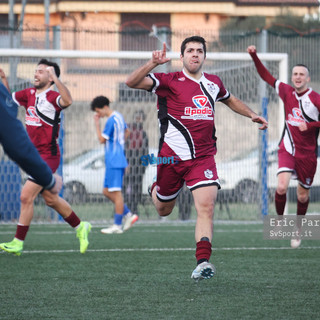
(139, 230)
(126, 250)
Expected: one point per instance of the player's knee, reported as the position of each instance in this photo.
(303, 198)
(163, 212)
(50, 200)
(26, 199)
(281, 189)
(164, 208)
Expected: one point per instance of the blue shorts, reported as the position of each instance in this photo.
(113, 179)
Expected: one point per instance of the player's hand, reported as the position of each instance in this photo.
(96, 117)
(2, 74)
(251, 49)
(58, 185)
(51, 71)
(159, 56)
(303, 126)
(261, 120)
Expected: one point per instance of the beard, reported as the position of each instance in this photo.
(40, 85)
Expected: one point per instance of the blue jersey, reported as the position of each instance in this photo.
(114, 134)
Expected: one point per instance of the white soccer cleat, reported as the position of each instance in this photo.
(113, 229)
(295, 243)
(129, 220)
(204, 270)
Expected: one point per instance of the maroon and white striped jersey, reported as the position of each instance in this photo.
(186, 110)
(42, 118)
(299, 108)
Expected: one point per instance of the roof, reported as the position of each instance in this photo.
(301, 3)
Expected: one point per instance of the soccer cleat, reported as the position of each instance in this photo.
(15, 246)
(204, 270)
(113, 229)
(295, 243)
(129, 220)
(296, 240)
(82, 234)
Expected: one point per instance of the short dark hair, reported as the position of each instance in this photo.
(51, 64)
(193, 39)
(301, 65)
(99, 102)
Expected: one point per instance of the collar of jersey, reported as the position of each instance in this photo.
(41, 93)
(299, 97)
(193, 79)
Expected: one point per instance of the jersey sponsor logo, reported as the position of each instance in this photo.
(208, 174)
(296, 118)
(199, 101)
(32, 118)
(182, 79)
(200, 112)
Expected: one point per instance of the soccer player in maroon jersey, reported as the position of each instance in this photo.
(43, 107)
(297, 155)
(186, 102)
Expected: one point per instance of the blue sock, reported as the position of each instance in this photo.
(125, 209)
(118, 219)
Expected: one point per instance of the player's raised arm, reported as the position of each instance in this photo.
(262, 70)
(66, 99)
(138, 79)
(240, 107)
(4, 80)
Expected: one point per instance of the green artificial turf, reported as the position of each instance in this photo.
(145, 274)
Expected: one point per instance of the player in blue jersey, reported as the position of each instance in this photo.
(113, 136)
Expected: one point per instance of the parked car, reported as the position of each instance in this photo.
(240, 177)
(83, 175)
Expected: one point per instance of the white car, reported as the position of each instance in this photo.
(84, 175)
(240, 178)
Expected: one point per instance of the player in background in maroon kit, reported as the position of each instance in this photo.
(297, 155)
(186, 102)
(43, 107)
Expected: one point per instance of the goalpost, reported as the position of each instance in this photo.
(91, 73)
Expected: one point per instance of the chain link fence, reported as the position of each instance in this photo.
(238, 139)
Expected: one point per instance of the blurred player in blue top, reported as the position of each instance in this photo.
(18, 146)
(113, 136)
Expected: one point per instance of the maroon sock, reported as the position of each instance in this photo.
(302, 207)
(73, 220)
(21, 232)
(280, 202)
(301, 211)
(203, 251)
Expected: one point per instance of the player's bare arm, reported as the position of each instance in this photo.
(126, 134)
(66, 99)
(138, 79)
(96, 119)
(240, 107)
(4, 80)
